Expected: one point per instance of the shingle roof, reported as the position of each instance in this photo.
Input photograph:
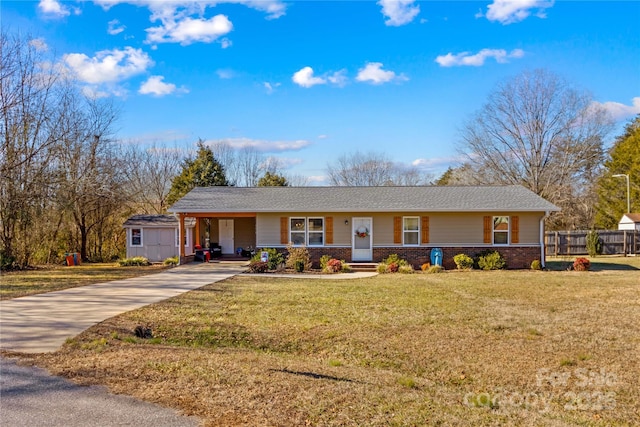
(635, 217)
(362, 199)
(154, 221)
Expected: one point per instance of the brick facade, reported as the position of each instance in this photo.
(517, 257)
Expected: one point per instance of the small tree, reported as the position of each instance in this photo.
(203, 171)
(594, 245)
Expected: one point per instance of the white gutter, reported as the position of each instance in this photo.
(542, 254)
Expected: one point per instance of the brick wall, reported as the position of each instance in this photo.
(516, 257)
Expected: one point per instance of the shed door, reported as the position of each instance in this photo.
(225, 236)
(362, 238)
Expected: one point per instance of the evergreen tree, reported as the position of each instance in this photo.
(624, 158)
(272, 180)
(202, 171)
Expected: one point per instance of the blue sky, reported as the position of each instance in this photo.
(309, 81)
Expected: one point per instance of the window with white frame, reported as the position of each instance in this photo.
(315, 231)
(186, 238)
(500, 230)
(306, 231)
(136, 237)
(411, 230)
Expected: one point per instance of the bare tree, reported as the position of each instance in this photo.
(150, 177)
(372, 169)
(29, 128)
(244, 166)
(538, 131)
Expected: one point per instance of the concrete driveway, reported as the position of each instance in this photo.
(42, 323)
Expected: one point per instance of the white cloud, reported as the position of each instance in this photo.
(399, 12)
(373, 73)
(263, 145)
(478, 59)
(53, 8)
(437, 162)
(305, 78)
(115, 27)
(339, 78)
(512, 11)
(270, 87)
(156, 86)
(185, 21)
(39, 44)
(619, 111)
(108, 66)
(188, 30)
(225, 73)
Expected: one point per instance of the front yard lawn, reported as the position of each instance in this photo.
(55, 278)
(458, 348)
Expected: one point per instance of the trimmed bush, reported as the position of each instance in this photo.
(594, 244)
(381, 268)
(581, 264)
(171, 261)
(405, 269)
(491, 260)
(136, 261)
(258, 267)
(536, 264)
(298, 254)
(435, 269)
(333, 266)
(394, 258)
(276, 259)
(463, 262)
(324, 259)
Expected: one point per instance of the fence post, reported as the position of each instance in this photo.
(624, 245)
(557, 236)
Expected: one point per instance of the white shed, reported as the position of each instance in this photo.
(630, 221)
(155, 237)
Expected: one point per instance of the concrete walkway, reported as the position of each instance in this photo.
(42, 323)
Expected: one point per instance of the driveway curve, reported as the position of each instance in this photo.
(42, 323)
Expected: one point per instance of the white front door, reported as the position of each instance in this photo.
(362, 239)
(225, 236)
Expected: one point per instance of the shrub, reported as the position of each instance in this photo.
(171, 261)
(435, 269)
(594, 245)
(405, 269)
(333, 266)
(463, 262)
(381, 268)
(345, 267)
(135, 261)
(324, 259)
(298, 254)
(490, 260)
(258, 266)
(536, 264)
(275, 258)
(425, 266)
(392, 267)
(394, 258)
(6, 262)
(581, 264)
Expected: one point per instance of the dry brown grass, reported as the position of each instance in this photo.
(16, 284)
(389, 350)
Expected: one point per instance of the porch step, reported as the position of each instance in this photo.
(363, 266)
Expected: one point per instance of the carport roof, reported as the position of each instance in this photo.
(512, 198)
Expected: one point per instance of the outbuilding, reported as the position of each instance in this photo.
(630, 221)
(157, 237)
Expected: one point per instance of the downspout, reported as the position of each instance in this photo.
(543, 260)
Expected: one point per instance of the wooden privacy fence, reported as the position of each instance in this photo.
(614, 242)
